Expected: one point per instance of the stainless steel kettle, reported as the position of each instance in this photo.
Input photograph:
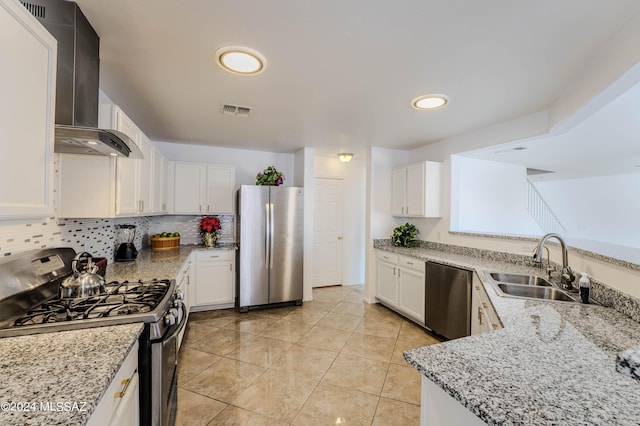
(82, 284)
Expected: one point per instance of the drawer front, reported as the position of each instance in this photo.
(203, 256)
(412, 263)
(385, 256)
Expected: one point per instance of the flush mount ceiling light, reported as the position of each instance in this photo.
(240, 60)
(345, 157)
(429, 102)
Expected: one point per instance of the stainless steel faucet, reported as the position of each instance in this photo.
(567, 276)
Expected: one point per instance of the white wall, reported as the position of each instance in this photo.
(490, 197)
(247, 162)
(586, 205)
(353, 176)
(623, 279)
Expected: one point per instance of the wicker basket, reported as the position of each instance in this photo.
(164, 243)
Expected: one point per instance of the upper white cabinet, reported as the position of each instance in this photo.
(159, 182)
(27, 106)
(127, 169)
(416, 190)
(96, 186)
(198, 188)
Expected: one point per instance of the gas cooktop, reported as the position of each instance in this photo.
(32, 302)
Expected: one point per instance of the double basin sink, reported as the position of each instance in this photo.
(527, 286)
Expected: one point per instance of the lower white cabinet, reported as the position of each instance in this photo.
(401, 284)
(214, 280)
(121, 403)
(387, 273)
(183, 282)
(483, 316)
(411, 287)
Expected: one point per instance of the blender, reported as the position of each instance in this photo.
(126, 251)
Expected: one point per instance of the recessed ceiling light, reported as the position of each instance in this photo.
(240, 60)
(345, 157)
(429, 101)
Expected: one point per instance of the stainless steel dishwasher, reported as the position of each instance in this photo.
(448, 300)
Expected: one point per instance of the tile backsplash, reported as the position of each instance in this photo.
(98, 236)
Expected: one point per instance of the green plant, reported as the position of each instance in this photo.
(404, 235)
(270, 176)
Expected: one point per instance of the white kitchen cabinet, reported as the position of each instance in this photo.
(199, 188)
(183, 282)
(387, 277)
(483, 316)
(188, 187)
(401, 284)
(145, 176)
(104, 186)
(411, 287)
(27, 105)
(214, 286)
(120, 404)
(416, 190)
(220, 189)
(438, 408)
(127, 169)
(159, 185)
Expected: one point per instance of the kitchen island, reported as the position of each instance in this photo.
(552, 363)
(59, 378)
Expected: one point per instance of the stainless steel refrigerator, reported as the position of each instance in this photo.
(270, 241)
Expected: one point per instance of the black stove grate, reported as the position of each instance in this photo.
(119, 298)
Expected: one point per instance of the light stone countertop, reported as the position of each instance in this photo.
(77, 366)
(156, 264)
(552, 363)
(70, 367)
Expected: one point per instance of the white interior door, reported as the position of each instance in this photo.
(327, 232)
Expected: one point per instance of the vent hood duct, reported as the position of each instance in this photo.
(77, 83)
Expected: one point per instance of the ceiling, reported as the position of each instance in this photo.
(340, 75)
(606, 143)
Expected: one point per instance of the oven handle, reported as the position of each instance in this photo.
(176, 328)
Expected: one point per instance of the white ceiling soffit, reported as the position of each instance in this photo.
(342, 74)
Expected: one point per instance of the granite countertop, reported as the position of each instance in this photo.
(552, 363)
(76, 366)
(156, 264)
(59, 378)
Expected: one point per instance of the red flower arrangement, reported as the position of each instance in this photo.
(210, 224)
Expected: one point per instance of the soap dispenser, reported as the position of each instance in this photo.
(585, 284)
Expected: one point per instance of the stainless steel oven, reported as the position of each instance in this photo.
(30, 303)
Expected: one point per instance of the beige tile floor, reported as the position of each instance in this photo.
(335, 360)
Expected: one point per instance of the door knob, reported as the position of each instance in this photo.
(339, 237)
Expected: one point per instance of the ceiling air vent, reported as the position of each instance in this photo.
(35, 9)
(238, 111)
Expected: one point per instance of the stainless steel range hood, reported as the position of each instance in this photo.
(77, 83)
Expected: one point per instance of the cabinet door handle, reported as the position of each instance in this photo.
(394, 271)
(214, 257)
(208, 208)
(125, 383)
(230, 267)
(409, 263)
(200, 208)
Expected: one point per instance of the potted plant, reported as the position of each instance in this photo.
(404, 235)
(209, 225)
(270, 176)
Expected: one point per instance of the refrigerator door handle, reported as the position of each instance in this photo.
(267, 236)
(271, 235)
